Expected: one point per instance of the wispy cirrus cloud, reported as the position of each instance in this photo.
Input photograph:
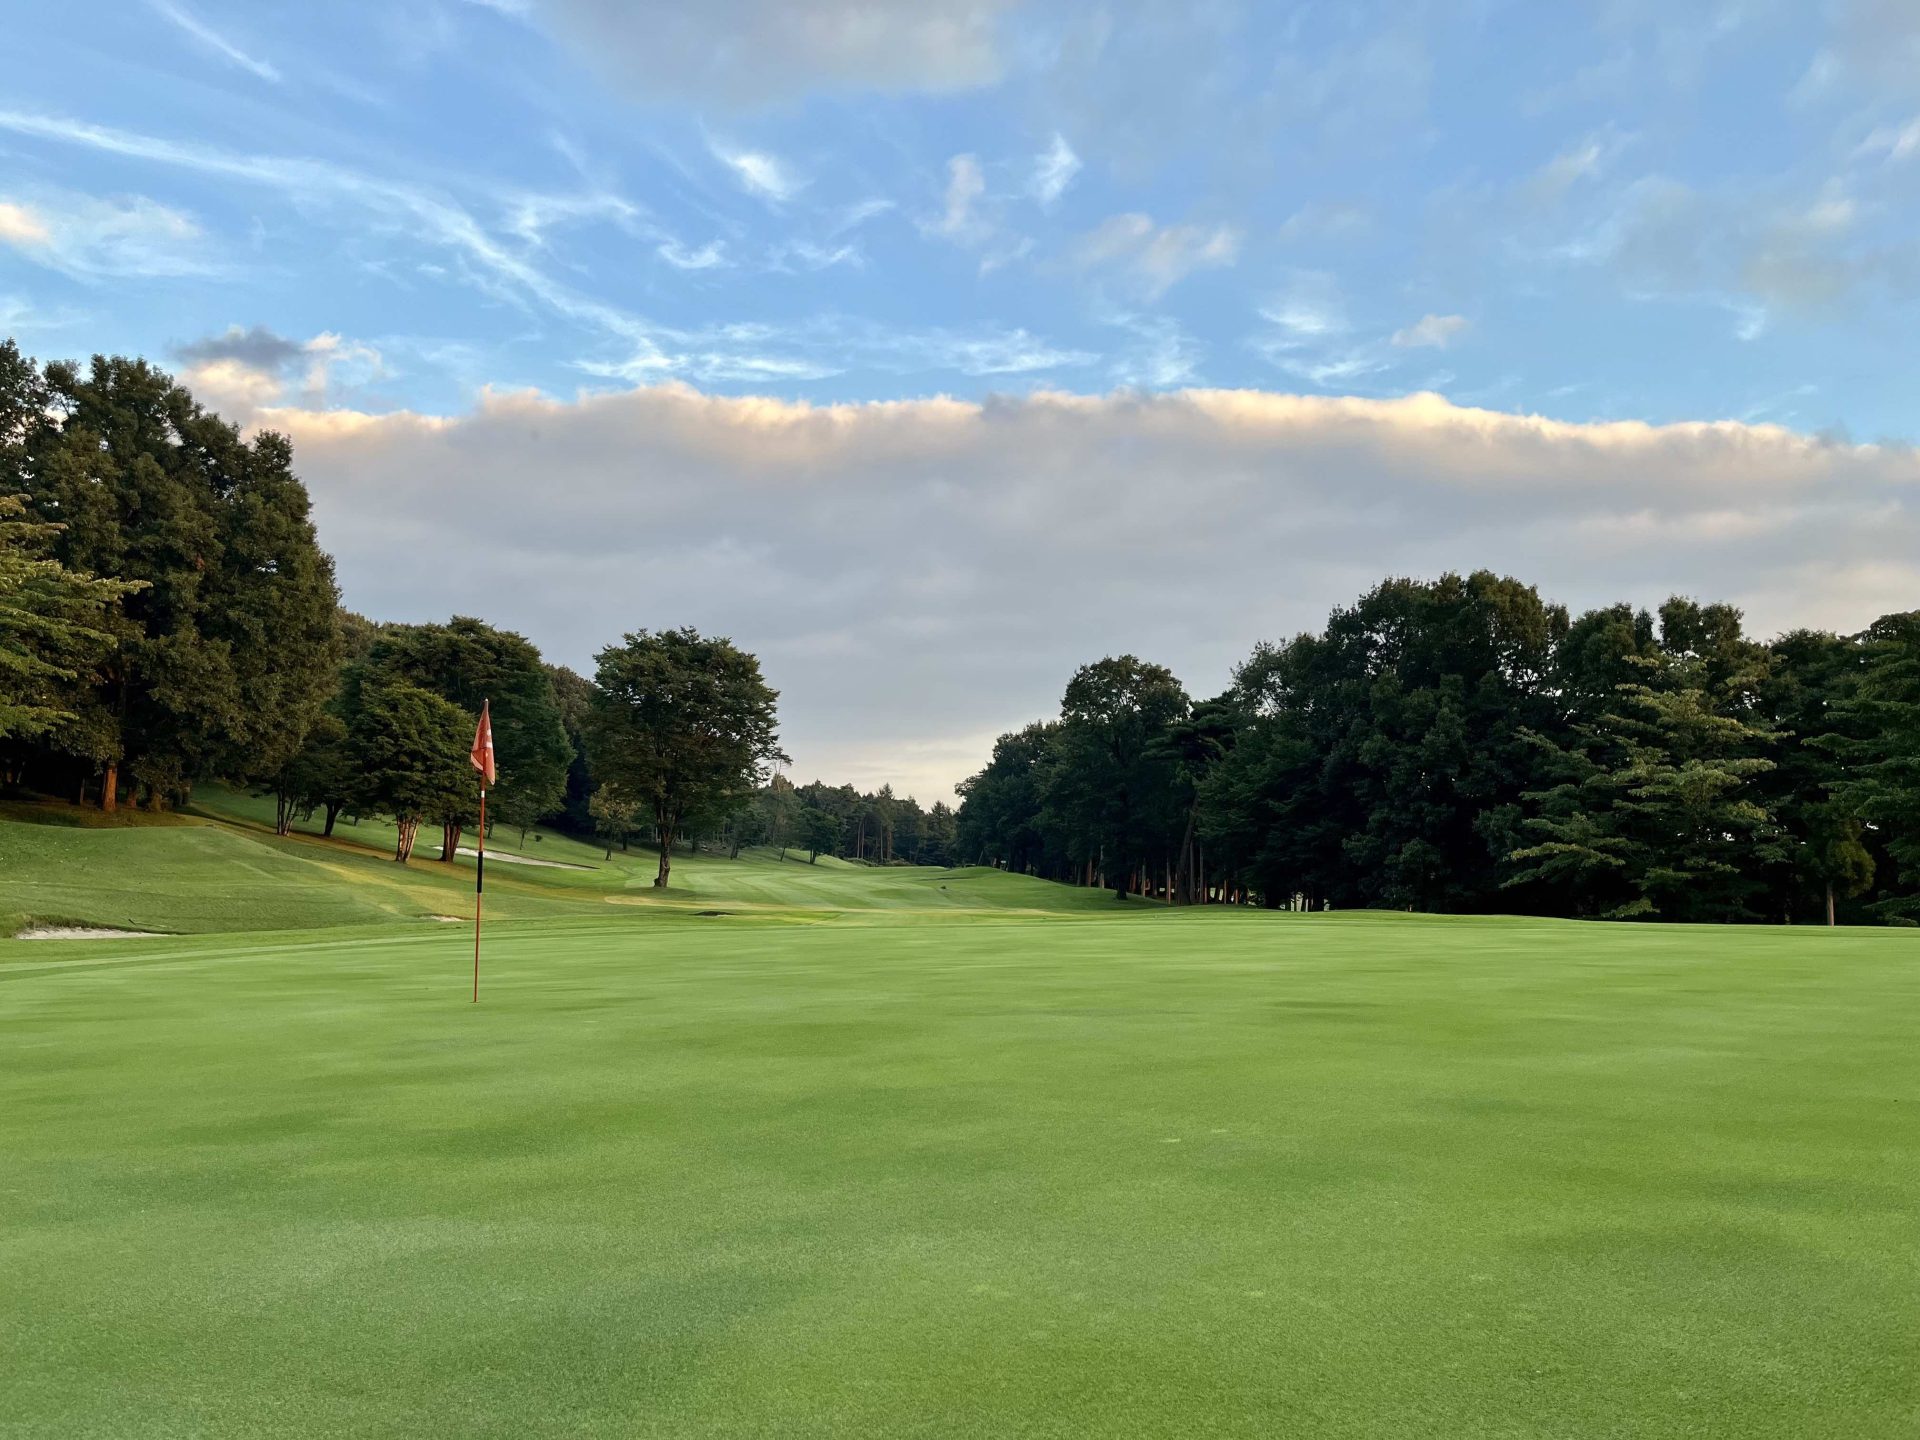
(710, 256)
(960, 220)
(1053, 171)
(747, 54)
(1430, 332)
(1154, 258)
(213, 40)
(415, 213)
(759, 173)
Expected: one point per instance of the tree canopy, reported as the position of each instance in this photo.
(1462, 745)
(685, 724)
(226, 648)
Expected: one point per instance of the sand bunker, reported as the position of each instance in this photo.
(506, 859)
(83, 932)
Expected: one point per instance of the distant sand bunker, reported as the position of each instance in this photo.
(83, 932)
(507, 859)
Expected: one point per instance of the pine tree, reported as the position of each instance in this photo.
(54, 623)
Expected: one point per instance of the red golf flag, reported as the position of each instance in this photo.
(482, 752)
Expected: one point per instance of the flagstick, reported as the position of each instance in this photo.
(479, 879)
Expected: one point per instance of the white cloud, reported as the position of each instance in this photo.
(1157, 257)
(710, 256)
(834, 344)
(93, 238)
(1437, 331)
(856, 215)
(801, 254)
(965, 185)
(887, 559)
(1323, 220)
(243, 371)
(1745, 253)
(214, 41)
(1053, 172)
(22, 227)
(759, 173)
(1162, 356)
(752, 53)
(1309, 308)
(1892, 143)
(1586, 159)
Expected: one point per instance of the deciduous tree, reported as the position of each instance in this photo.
(683, 722)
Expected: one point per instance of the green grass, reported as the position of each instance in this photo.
(870, 1156)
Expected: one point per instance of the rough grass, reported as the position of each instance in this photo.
(889, 1159)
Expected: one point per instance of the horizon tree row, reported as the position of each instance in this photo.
(1461, 745)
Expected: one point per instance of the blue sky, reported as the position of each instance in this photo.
(325, 215)
(1655, 211)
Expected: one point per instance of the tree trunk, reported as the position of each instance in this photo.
(666, 857)
(283, 814)
(407, 828)
(1830, 919)
(110, 787)
(333, 814)
(449, 839)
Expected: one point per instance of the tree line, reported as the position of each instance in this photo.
(167, 615)
(1463, 745)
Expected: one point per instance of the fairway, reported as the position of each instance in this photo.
(851, 1167)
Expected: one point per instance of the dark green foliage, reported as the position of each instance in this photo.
(409, 749)
(468, 662)
(1658, 817)
(1000, 808)
(1876, 743)
(55, 624)
(227, 650)
(1460, 745)
(684, 723)
(321, 774)
(1383, 762)
(573, 693)
(614, 814)
(1112, 785)
(819, 830)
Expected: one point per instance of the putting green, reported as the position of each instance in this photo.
(870, 1156)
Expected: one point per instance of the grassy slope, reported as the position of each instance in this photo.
(194, 877)
(826, 1165)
